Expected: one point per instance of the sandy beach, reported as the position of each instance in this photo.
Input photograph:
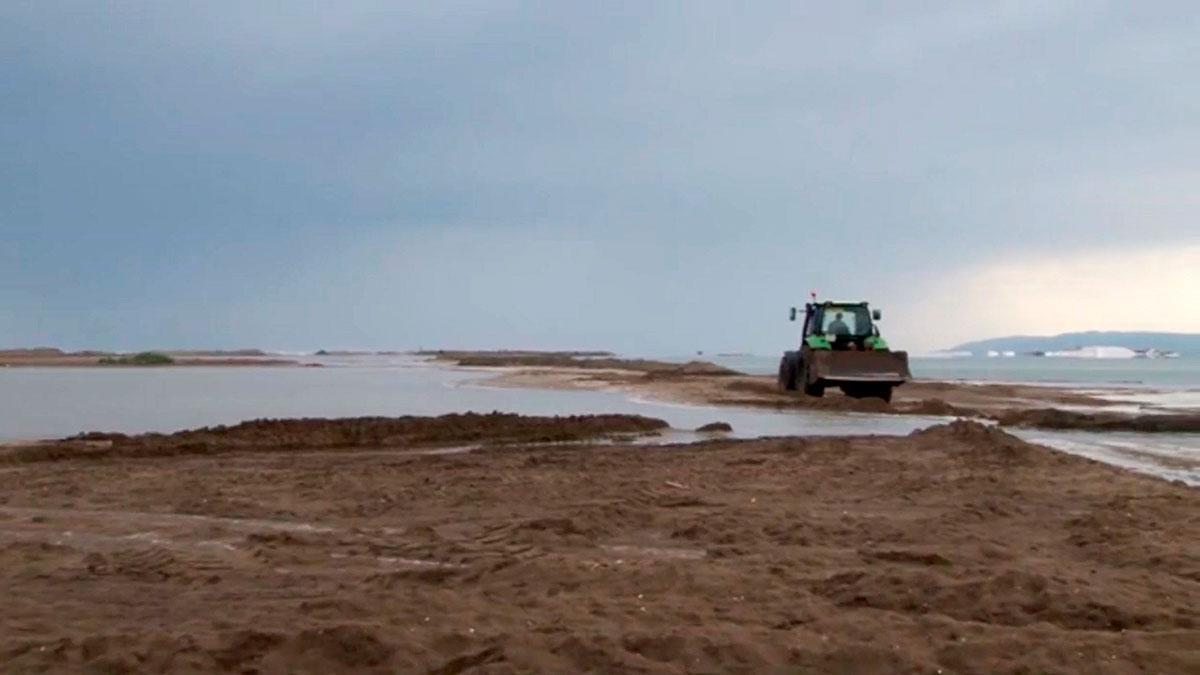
(474, 543)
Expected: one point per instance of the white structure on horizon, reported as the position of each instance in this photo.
(1153, 353)
(1098, 352)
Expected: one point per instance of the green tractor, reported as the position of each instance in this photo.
(841, 347)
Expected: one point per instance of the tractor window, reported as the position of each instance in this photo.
(855, 321)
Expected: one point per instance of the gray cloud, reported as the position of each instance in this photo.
(642, 175)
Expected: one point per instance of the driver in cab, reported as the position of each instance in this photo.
(840, 331)
(837, 326)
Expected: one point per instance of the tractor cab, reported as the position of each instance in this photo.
(840, 326)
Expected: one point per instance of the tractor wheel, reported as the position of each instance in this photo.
(789, 371)
(811, 388)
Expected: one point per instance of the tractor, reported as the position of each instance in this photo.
(841, 347)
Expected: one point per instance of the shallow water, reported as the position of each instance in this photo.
(40, 403)
(54, 402)
(1171, 456)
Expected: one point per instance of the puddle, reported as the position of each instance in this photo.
(1165, 455)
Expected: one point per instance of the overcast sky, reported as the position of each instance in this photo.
(649, 177)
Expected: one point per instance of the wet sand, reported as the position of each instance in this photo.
(466, 543)
(701, 383)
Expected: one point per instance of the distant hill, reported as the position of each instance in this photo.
(1184, 343)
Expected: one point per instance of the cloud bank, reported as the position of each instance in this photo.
(649, 177)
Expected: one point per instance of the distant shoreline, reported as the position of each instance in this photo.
(1148, 343)
(49, 357)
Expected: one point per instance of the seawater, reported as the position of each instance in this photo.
(38, 403)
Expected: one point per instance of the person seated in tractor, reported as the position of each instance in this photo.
(848, 328)
(837, 326)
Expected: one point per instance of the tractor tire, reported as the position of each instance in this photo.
(789, 371)
(811, 388)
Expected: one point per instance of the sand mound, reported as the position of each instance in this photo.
(938, 408)
(978, 439)
(1052, 418)
(582, 360)
(689, 369)
(967, 432)
(362, 432)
